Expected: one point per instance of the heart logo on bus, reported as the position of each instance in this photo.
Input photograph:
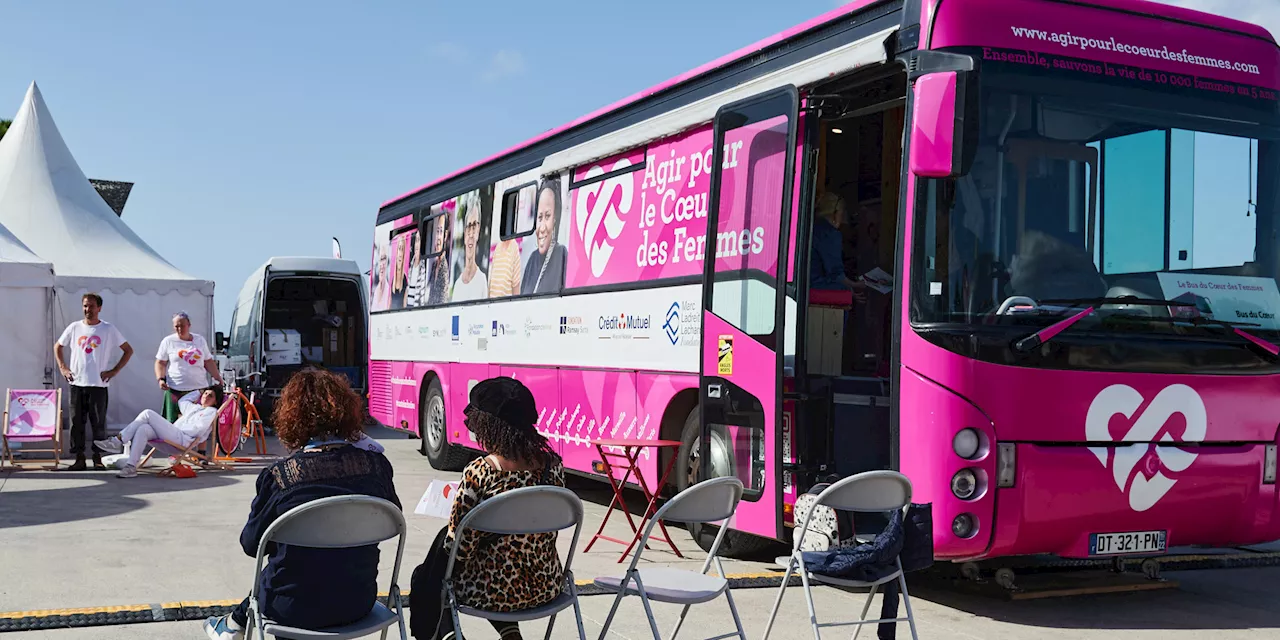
(1145, 487)
(600, 207)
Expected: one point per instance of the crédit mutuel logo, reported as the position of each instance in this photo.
(624, 326)
(1145, 485)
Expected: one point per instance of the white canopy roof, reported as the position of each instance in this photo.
(19, 267)
(47, 202)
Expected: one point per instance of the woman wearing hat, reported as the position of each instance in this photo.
(510, 573)
(184, 364)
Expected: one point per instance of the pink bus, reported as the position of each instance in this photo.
(1023, 251)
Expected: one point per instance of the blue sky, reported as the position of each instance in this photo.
(266, 128)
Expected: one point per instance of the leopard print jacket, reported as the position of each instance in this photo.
(497, 572)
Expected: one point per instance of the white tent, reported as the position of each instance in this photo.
(26, 296)
(49, 204)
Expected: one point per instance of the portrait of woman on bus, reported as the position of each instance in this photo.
(472, 282)
(442, 240)
(381, 281)
(398, 283)
(544, 269)
(416, 288)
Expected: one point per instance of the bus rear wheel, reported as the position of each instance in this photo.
(688, 472)
(435, 438)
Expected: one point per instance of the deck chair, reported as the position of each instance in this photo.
(32, 416)
(709, 501)
(190, 454)
(528, 510)
(338, 522)
(870, 492)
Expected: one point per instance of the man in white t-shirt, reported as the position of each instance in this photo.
(199, 409)
(92, 344)
(184, 363)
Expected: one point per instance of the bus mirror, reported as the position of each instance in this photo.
(944, 124)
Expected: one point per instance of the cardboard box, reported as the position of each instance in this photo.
(281, 339)
(332, 345)
(283, 356)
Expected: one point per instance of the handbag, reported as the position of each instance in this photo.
(426, 591)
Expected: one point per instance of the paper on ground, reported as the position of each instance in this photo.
(437, 502)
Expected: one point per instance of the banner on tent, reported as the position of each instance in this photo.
(33, 413)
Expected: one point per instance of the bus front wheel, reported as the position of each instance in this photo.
(688, 472)
(435, 438)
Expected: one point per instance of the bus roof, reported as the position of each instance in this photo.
(1141, 7)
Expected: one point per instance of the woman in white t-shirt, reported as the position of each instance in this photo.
(184, 363)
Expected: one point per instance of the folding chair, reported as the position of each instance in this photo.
(528, 510)
(709, 501)
(870, 492)
(32, 416)
(339, 522)
(190, 454)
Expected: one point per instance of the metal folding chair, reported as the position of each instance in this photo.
(339, 522)
(524, 511)
(709, 501)
(870, 492)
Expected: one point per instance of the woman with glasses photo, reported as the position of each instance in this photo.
(472, 283)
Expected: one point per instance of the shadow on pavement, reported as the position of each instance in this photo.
(1204, 600)
(106, 496)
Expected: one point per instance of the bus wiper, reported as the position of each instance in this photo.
(1133, 302)
(1233, 327)
(1033, 341)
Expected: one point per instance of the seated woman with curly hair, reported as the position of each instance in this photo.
(318, 418)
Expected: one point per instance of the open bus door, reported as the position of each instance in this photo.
(744, 311)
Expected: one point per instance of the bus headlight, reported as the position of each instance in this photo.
(1006, 464)
(1269, 466)
(964, 484)
(966, 443)
(964, 526)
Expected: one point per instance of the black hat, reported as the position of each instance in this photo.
(505, 398)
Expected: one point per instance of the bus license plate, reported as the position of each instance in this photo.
(1113, 544)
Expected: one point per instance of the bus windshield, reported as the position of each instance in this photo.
(1076, 202)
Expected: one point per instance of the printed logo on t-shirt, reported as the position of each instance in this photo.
(89, 343)
(190, 356)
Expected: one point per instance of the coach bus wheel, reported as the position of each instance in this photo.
(688, 471)
(435, 441)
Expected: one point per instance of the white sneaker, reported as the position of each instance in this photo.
(128, 471)
(223, 628)
(110, 445)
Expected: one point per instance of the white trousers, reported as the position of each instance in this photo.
(149, 426)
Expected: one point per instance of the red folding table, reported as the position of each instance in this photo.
(628, 462)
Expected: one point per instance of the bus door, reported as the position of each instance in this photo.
(744, 309)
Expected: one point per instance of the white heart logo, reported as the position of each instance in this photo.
(602, 204)
(1124, 400)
